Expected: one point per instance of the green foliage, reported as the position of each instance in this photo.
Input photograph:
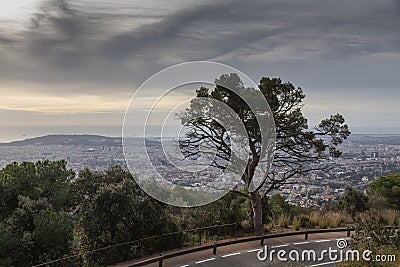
(353, 201)
(388, 187)
(35, 225)
(35, 233)
(370, 234)
(188, 197)
(117, 211)
(279, 205)
(7, 245)
(48, 214)
(43, 179)
(293, 133)
(276, 206)
(52, 234)
(232, 208)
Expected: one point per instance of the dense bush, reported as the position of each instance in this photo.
(46, 213)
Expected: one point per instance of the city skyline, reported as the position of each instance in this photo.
(72, 66)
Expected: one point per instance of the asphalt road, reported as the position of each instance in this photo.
(249, 258)
(245, 254)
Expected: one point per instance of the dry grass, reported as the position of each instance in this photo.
(330, 219)
(315, 218)
(296, 224)
(391, 216)
(269, 226)
(284, 221)
(247, 226)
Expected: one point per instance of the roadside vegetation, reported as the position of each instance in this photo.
(47, 214)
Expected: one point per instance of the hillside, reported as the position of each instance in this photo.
(70, 140)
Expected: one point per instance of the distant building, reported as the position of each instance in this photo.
(375, 154)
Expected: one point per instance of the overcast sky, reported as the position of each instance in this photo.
(75, 64)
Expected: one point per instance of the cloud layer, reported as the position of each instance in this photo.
(99, 48)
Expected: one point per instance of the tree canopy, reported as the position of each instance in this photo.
(298, 149)
(388, 187)
(35, 222)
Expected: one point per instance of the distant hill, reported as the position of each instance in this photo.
(375, 139)
(98, 140)
(70, 140)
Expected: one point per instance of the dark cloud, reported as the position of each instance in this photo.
(96, 50)
(195, 33)
(5, 41)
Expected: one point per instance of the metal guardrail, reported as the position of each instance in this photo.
(216, 245)
(195, 236)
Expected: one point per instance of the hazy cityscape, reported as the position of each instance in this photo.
(365, 158)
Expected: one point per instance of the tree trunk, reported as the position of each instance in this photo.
(256, 206)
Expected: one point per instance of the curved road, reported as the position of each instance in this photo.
(302, 250)
(245, 254)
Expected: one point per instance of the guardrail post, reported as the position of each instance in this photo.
(160, 243)
(306, 235)
(262, 241)
(236, 229)
(199, 233)
(348, 232)
(215, 248)
(160, 263)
